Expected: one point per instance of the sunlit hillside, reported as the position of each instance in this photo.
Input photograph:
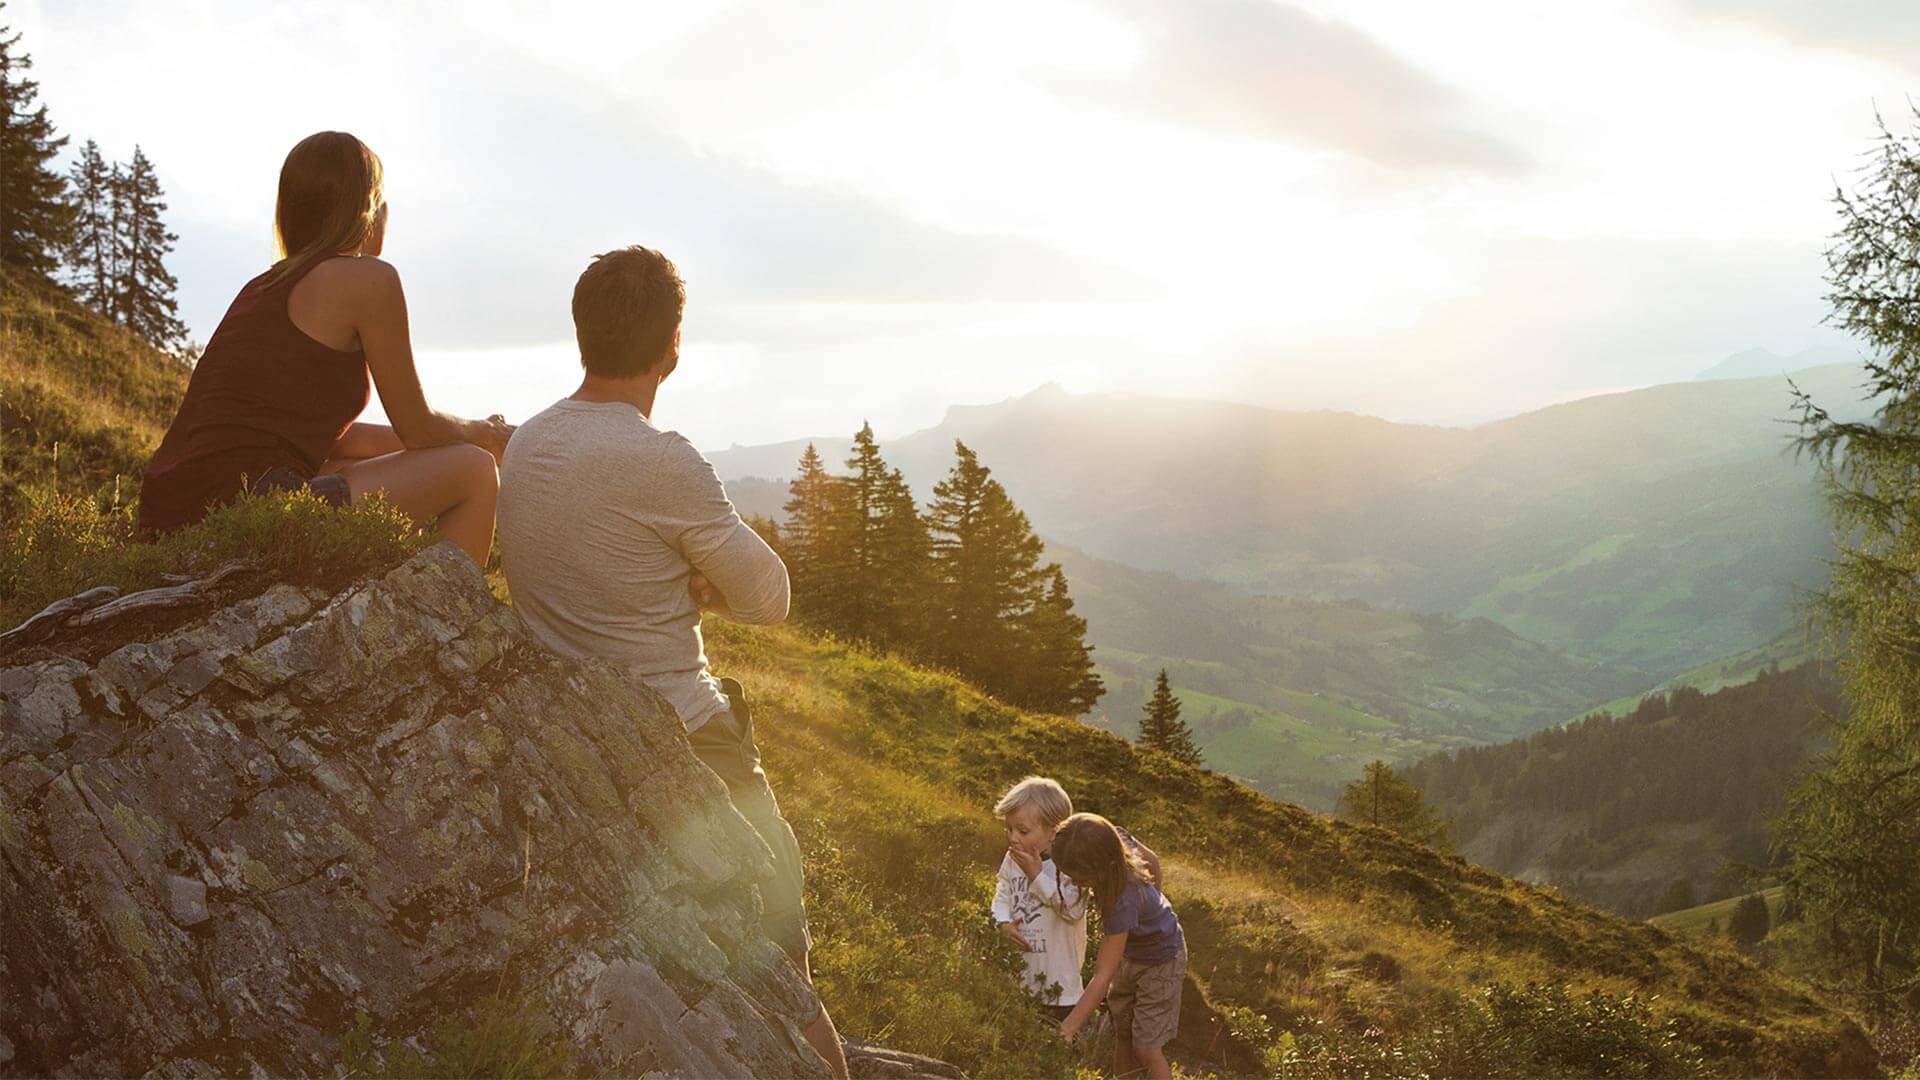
(1318, 947)
(82, 401)
(1328, 931)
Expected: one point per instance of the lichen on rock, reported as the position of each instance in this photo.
(220, 848)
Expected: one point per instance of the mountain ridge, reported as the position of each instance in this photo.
(1658, 528)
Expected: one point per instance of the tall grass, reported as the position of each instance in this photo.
(57, 545)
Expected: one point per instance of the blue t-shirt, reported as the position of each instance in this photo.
(1152, 929)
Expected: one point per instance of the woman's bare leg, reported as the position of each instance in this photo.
(453, 488)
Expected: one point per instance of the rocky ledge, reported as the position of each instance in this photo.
(224, 850)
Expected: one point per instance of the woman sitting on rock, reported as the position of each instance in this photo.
(273, 400)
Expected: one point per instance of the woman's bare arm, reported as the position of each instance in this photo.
(380, 320)
(365, 441)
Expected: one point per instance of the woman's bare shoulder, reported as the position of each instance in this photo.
(356, 273)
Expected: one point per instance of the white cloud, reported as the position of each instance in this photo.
(1432, 211)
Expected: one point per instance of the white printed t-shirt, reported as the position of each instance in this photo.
(1052, 913)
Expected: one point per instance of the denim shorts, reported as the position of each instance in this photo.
(331, 487)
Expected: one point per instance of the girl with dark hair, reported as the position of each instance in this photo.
(273, 399)
(1143, 952)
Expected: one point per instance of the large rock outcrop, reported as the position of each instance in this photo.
(220, 848)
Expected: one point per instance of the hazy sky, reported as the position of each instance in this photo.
(1438, 212)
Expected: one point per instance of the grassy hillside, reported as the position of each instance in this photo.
(1615, 809)
(1297, 695)
(1699, 920)
(83, 402)
(1326, 946)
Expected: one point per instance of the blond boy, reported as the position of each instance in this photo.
(1040, 909)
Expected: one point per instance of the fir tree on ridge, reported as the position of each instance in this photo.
(143, 293)
(809, 545)
(1382, 797)
(885, 548)
(93, 257)
(1161, 727)
(1061, 663)
(961, 584)
(34, 214)
(986, 571)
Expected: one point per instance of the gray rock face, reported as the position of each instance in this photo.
(218, 849)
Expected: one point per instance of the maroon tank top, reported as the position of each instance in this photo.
(264, 394)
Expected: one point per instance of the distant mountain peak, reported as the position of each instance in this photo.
(1758, 363)
(1046, 394)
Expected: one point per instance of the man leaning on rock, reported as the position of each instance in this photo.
(616, 533)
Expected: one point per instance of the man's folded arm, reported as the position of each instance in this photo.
(702, 524)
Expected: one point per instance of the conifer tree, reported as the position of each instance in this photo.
(886, 548)
(813, 552)
(34, 214)
(143, 299)
(986, 574)
(1851, 828)
(1381, 797)
(1161, 727)
(1059, 664)
(903, 568)
(861, 509)
(1750, 921)
(92, 252)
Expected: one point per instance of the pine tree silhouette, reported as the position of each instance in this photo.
(35, 217)
(986, 575)
(1382, 797)
(143, 298)
(93, 250)
(961, 584)
(813, 552)
(885, 547)
(1161, 727)
(1060, 674)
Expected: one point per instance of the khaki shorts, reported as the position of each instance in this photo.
(725, 743)
(1145, 1001)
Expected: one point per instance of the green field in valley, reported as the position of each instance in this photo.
(1785, 651)
(1699, 920)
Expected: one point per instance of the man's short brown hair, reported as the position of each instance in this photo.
(626, 310)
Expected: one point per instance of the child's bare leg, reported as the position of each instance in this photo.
(1155, 1061)
(1124, 1063)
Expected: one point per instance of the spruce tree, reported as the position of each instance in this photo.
(34, 214)
(1750, 922)
(1381, 797)
(866, 545)
(1059, 667)
(867, 477)
(986, 575)
(903, 567)
(1161, 727)
(144, 300)
(813, 551)
(92, 252)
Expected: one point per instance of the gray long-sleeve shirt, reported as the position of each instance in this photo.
(602, 518)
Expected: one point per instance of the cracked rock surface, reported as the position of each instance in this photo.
(218, 848)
